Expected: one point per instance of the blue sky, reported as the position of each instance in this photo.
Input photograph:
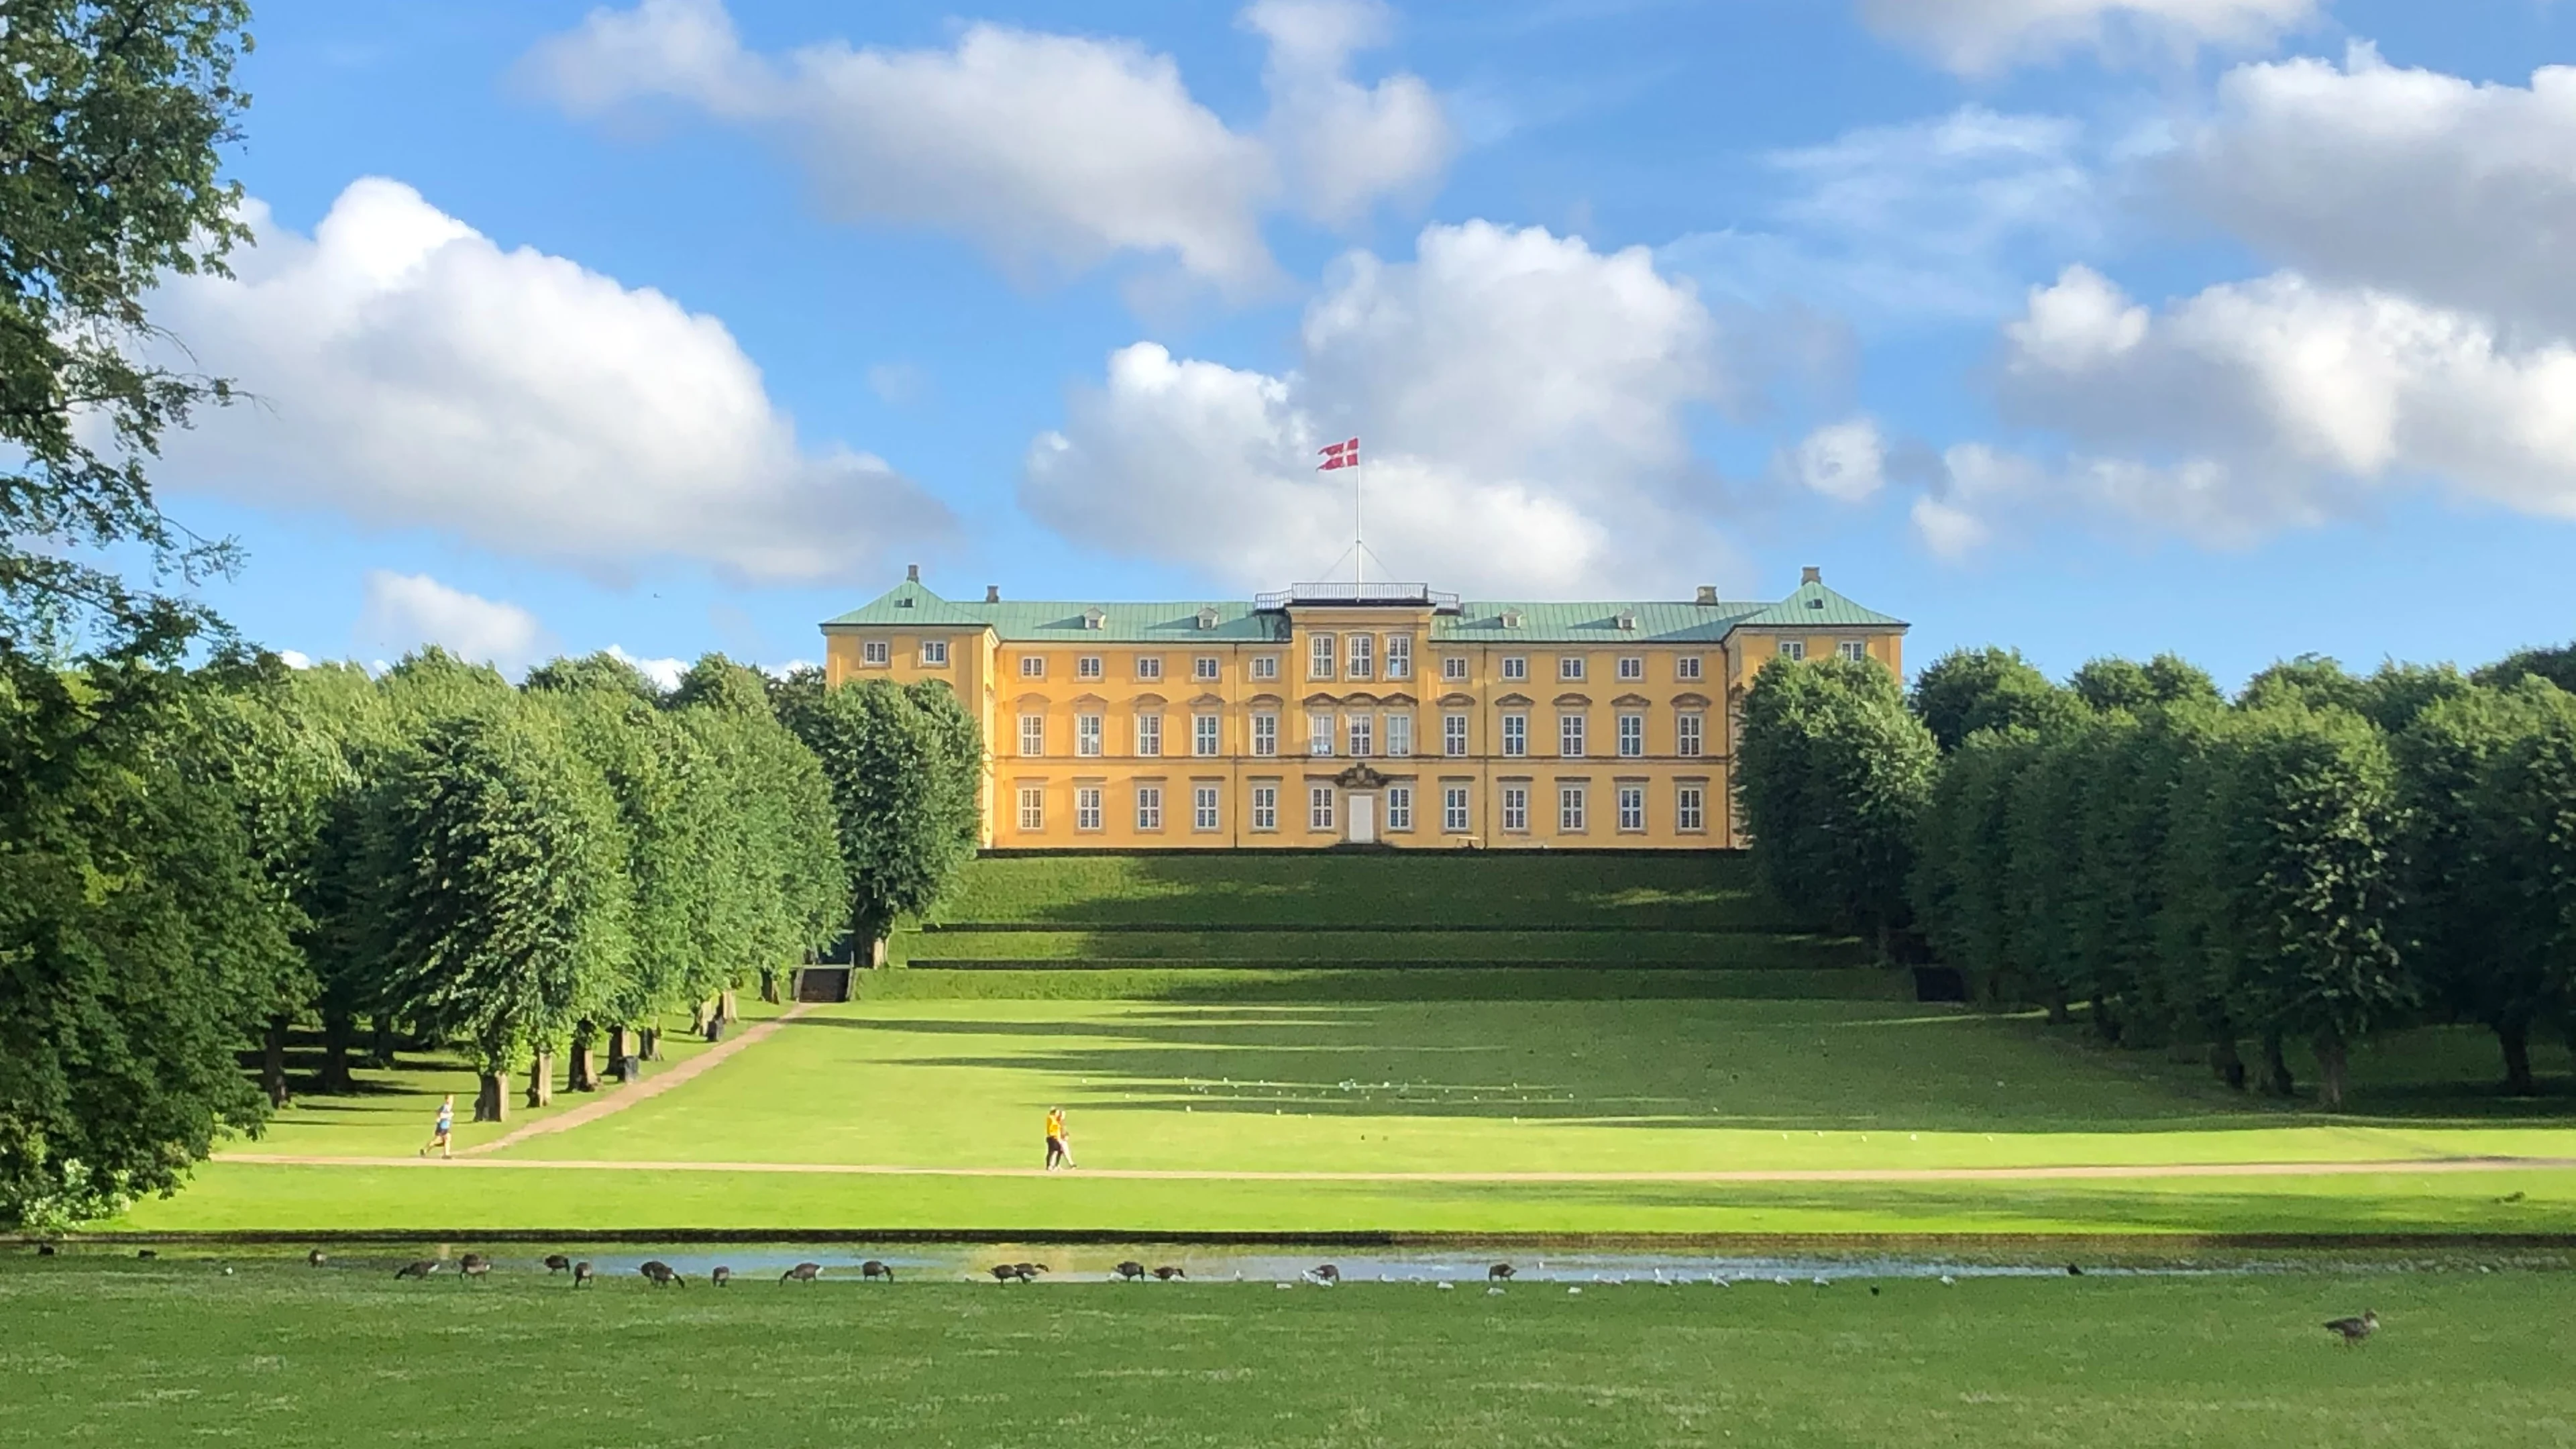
(2234, 327)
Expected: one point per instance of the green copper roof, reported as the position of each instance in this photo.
(911, 605)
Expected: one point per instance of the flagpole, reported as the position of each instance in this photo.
(1359, 520)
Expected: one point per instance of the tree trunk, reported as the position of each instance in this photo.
(2056, 1007)
(2277, 1081)
(2105, 1024)
(617, 1054)
(272, 1062)
(541, 1079)
(2515, 1038)
(338, 1031)
(2224, 1061)
(492, 1098)
(380, 1051)
(585, 1075)
(651, 1038)
(2329, 1046)
(698, 1019)
(725, 1009)
(769, 987)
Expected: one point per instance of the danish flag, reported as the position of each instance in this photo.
(1339, 455)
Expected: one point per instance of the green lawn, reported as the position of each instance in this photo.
(1728, 950)
(177, 1352)
(1456, 1085)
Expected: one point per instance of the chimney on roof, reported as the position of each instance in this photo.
(1811, 575)
(992, 593)
(912, 572)
(1708, 593)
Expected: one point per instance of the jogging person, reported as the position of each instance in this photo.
(446, 1126)
(1057, 1155)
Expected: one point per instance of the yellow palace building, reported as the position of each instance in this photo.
(1353, 713)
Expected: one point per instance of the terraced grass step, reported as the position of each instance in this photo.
(1372, 983)
(1711, 891)
(1381, 949)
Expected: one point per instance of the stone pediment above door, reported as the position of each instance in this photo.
(1360, 777)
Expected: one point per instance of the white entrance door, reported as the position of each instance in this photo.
(1363, 811)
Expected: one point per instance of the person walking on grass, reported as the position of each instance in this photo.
(1059, 1148)
(446, 1126)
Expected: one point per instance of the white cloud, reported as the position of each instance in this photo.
(1845, 461)
(2457, 193)
(411, 373)
(2273, 404)
(405, 611)
(1939, 219)
(1053, 152)
(295, 659)
(1523, 403)
(664, 673)
(1981, 37)
(1343, 145)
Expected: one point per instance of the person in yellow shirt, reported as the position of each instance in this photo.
(1059, 1153)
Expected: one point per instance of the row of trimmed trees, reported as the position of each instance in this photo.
(2326, 856)
(195, 863)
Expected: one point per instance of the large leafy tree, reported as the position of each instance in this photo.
(503, 886)
(1833, 775)
(141, 942)
(113, 117)
(2523, 845)
(1967, 690)
(2110, 683)
(2558, 666)
(905, 763)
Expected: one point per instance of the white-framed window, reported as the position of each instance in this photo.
(1453, 666)
(1033, 666)
(1032, 809)
(1516, 809)
(1032, 735)
(1204, 668)
(1687, 813)
(1203, 730)
(1086, 807)
(1515, 667)
(1686, 667)
(1632, 807)
(1319, 807)
(1265, 735)
(1362, 650)
(1687, 727)
(1087, 667)
(1149, 807)
(1569, 736)
(1319, 734)
(1453, 809)
(1793, 648)
(1399, 656)
(1149, 735)
(1399, 735)
(1515, 735)
(876, 651)
(1852, 649)
(934, 653)
(1453, 735)
(1203, 807)
(1399, 807)
(1363, 735)
(1632, 736)
(1569, 808)
(1086, 734)
(1265, 666)
(1149, 667)
(1632, 666)
(1569, 666)
(1265, 807)
(1319, 656)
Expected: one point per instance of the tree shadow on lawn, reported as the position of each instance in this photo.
(1242, 1059)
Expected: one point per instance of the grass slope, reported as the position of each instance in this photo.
(173, 1352)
